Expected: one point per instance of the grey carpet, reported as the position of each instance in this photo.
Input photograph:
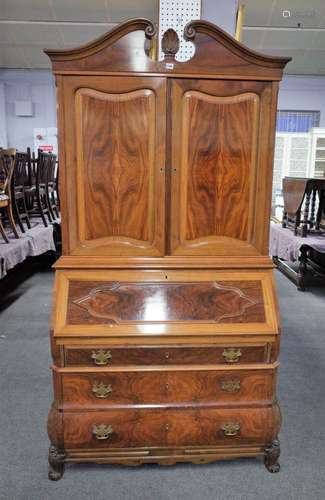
(26, 394)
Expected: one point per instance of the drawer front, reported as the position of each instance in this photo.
(114, 356)
(167, 387)
(184, 427)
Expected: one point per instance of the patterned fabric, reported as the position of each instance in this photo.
(285, 245)
(35, 241)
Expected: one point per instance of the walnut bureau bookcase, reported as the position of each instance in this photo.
(165, 330)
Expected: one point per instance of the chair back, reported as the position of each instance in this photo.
(31, 168)
(51, 169)
(42, 168)
(20, 176)
(7, 163)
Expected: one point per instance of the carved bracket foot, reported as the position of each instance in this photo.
(56, 463)
(271, 459)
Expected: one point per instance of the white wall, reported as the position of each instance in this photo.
(304, 93)
(3, 117)
(36, 86)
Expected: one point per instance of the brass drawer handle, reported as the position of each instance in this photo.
(232, 355)
(101, 390)
(102, 431)
(230, 386)
(101, 357)
(231, 428)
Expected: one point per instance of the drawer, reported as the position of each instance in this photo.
(166, 355)
(156, 427)
(222, 387)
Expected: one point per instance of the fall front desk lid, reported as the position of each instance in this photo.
(115, 306)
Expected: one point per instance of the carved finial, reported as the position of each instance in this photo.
(170, 44)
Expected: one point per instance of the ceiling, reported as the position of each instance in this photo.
(27, 26)
(293, 28)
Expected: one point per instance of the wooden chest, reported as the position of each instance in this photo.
(165, 331)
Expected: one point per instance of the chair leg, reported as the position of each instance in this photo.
(47, 209)
(3, 232)
(17, 214)
(12, 221)
(26, 212)
(48, 204)
(54, 205)
(40, 208)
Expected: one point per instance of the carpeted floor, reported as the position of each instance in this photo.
(25, 395)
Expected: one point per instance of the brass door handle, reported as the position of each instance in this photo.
(101, 390)
(231, 428)
(102, 431)
(230, 386)
(101, 357)
(232, 355)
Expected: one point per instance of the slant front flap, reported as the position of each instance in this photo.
(123, 303)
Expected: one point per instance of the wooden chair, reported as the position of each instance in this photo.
(50, 186)
(41, 204)
(6, 172)
(299, 197)
(30, 189)
(19, 188)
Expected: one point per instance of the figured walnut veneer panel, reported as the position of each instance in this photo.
(117, 139)
(161, 427)
(222, 160)
(212, 302)
(220, 147)
(168, 387)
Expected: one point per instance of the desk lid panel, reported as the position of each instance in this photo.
(172, 302)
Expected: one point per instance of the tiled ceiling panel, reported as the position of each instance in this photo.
(294, 28)
(6, 35)
(27, 26)
(309, 14)
(27, 9)
(125, 9)
(77, 35)
(13, 57)
(258, 13)
(34, 58)
(294, 39)
(82, 10)
(37, 34)
(285, 13)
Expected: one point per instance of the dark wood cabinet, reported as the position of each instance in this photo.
(165, 329)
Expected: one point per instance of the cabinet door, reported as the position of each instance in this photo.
(113, 154)
(221, 175)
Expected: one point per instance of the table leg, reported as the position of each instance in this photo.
(284, 219)
(312, 209)
(302, 270)
(305, 219)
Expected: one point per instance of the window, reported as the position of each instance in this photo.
(296, 120)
